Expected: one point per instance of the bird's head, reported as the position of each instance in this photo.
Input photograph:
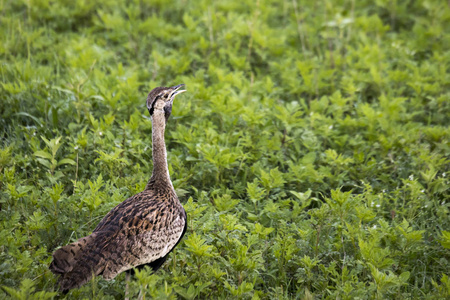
(161, 98)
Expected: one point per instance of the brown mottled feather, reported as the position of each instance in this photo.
(140, 231)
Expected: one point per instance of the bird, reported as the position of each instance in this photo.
(140, 231)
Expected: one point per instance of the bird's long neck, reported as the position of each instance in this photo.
(160, 175)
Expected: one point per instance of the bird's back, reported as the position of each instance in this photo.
(141, 230)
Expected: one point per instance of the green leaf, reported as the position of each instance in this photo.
(30, 116)
(65, 161)
(404, 277)
(445, 239)
(224, 203)
(197, 245)
(45, 163)
(43, 154)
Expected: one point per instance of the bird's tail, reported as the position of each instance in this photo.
(76, 263)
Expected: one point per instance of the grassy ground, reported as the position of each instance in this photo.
(311, 151)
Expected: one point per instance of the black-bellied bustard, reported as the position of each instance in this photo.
(140, 231)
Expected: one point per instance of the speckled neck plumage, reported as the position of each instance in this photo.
(160, 176)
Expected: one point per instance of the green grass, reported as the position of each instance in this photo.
(311, 150)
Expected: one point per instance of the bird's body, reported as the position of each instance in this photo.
(140, 231)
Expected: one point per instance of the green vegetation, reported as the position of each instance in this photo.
(311, 151)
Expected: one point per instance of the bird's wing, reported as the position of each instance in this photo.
(145, 234)
(66, 258)
(78, 261)
(133, 233)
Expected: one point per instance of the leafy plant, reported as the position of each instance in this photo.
(310, 151)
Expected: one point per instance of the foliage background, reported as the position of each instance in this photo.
(311, 151)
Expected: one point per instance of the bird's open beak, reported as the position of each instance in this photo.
(176, 90)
